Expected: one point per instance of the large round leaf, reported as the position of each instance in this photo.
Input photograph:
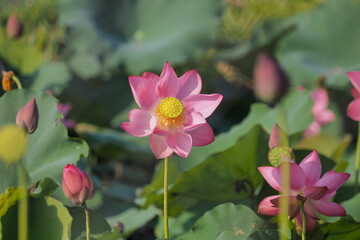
(49, 148)
(142, 34)
(228, 221)
(322, 44)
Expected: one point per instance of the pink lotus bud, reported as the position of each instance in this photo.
(14, 28)
(270, 82)
(77, 185)
(28, 116)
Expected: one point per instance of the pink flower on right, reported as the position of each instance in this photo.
(353, 110)
(322, 115)
(305, 185)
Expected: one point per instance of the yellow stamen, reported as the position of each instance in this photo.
(7, 82)
(170, 113)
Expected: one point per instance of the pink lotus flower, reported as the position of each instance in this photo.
(28, 117)
(321, 113)
(172, 111)
(353, 110)
(77, 185)
(305, 185)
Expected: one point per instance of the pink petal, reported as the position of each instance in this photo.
(159, 147)
(267, 208)
(316, 193)
(355, 79)
(329, 195)
(271, 176)
(193, 119)
(202, 135)
(203, 103)
(328, 208)
(353, 110)
(310, 222)
(311, 167)
(275, 137)
(325, 117)
(294, 205)
(312, 130)
(355, 93)
(151, 75)
(168, 86)
(321, 100)
(309, 211)
(64, 108)
(143, 90)
(73, 181)
(141, 123)
(86, 180)
(333, 180)
(180, 143)
(190, 84)
(67, 191)
(297, 176)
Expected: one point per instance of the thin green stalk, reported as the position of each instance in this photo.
(303, 235)
(357, 163)
(23, 205)
(284, 201)
(87, 221)
(166, 221)
(17, 81)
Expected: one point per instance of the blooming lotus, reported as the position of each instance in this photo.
(77, 185)
(321, 112)
(353, 110)
(172, 111)
(305, 186)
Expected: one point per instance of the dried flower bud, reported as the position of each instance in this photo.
(28, 116)
(7, 82)
(77, 185)
(270, 82)
(14, 28)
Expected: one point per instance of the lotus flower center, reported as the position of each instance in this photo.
(171, 107)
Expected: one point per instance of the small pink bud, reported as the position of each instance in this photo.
(28, 116)
(270, 82)
(77, 185)
(14, 28)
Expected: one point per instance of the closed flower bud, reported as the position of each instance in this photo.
(270, 82)
(77, 185)
(14, 28)
(28, 117)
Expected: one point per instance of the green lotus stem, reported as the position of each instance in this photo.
(23, 205)
(357, 163)
(284, 201)
(17, 81)
(166, 221)
(303, 235)
(87, 221)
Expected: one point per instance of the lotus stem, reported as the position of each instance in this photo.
(166, 221)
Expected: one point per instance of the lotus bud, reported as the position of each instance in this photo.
(77, 185)
(14, 28)
(28, 117)
(270, 82)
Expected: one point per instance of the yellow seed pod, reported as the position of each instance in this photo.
(13, 143)
(171, 107)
